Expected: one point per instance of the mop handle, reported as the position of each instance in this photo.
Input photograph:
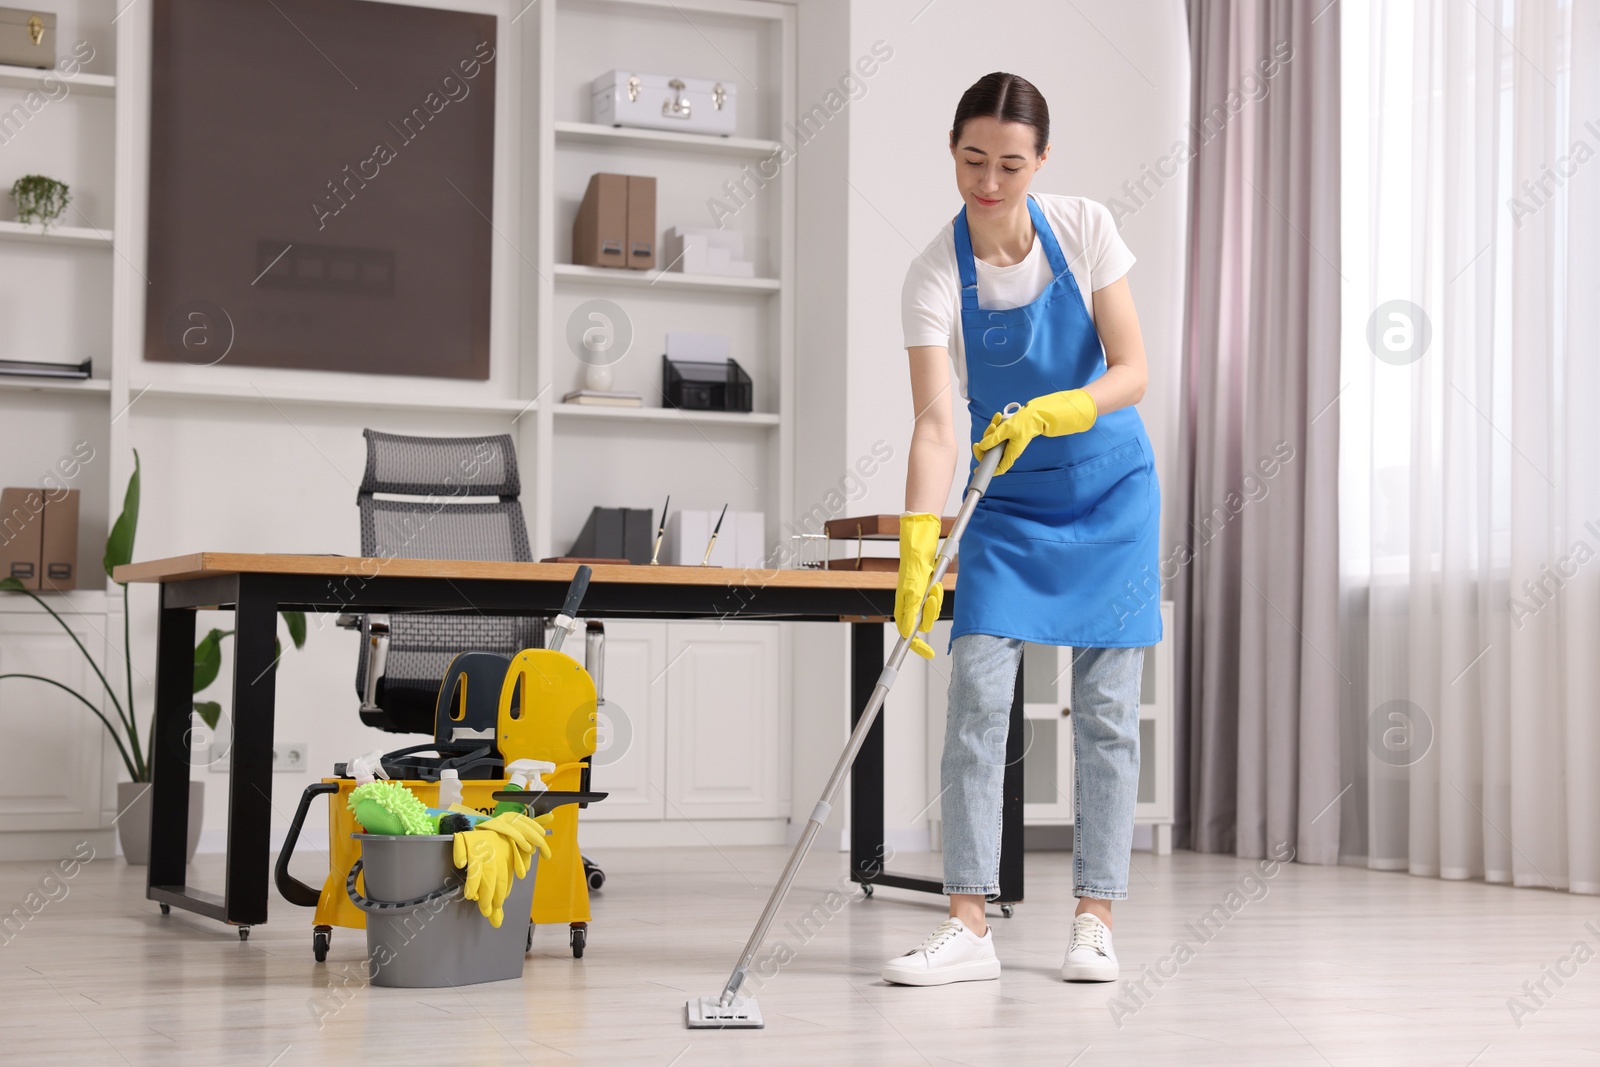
(858, 736)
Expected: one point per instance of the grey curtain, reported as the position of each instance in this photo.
(1255, 572)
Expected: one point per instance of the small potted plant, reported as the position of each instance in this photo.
(39, 199)
(133, 796)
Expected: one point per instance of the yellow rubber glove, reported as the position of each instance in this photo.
(919, 544)
(1054, 414)
(487, 858)
(524, 833)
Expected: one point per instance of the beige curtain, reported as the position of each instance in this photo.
(1255, 574)
(1471, 568)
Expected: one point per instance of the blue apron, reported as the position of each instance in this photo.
(1062, 548)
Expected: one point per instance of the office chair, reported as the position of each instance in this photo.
(404, 656)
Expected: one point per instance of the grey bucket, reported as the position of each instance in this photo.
(421, 932)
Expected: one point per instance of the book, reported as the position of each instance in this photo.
(599, 399)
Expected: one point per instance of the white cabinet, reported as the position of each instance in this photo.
(630, 742)
(52, 781)
(692, 724)
(724, 718)
(1047, 760)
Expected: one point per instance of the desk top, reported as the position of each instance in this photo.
(208, 564)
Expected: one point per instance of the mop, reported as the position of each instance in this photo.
(730, 1011)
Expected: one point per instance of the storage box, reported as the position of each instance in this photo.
(21, 535)
(58, 555)
(703, 250)
(663, 102)
(696, 386)
(616, 223)
(740, 543)
(27, 38)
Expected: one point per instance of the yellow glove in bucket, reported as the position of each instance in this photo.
(919, 544)
(486, 857)
(1054, 414)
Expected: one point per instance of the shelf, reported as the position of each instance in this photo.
(86, 386)
(82, 236)
(31, 78)
(622, 136)
(717, 418)
(488, 406)
(659, 279)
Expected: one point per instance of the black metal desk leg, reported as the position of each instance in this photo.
(866, 774)
(169, 796)
(1011, 802)
(250, 760)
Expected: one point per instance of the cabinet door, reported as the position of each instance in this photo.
(629, 750)
(723, 719)
(1047, 742)
(52, 780)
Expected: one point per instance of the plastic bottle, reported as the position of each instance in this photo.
(449, 787)
(523, 772)
(367, 767)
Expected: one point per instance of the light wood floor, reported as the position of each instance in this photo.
(1326, 966)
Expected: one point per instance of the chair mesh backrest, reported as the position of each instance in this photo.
(435, 472)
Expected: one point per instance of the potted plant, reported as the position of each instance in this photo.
(133, 796)
(39, 199)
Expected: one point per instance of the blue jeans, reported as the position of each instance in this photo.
(1105, 747)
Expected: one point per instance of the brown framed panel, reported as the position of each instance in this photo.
(321, 186)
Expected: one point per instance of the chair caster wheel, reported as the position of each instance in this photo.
(579, 936)
(244, 933)
(320, 940)
(166, 909)
(527, 948)
(1007, 910)
(866, 889)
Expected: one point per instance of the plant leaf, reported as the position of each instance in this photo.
(10, 584)
(119, 544)
(207, 659)
(209, 711)
(297, 627)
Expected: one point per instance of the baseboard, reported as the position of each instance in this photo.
(46, 845)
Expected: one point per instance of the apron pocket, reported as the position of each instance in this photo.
(1110, 496)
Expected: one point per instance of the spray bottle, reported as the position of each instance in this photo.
(523, 772)
(367, 767)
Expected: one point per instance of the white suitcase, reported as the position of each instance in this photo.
(660, 102)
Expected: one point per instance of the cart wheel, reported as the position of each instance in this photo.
(597, 878)
(529, 946)
(866, 889)
(1006, 910)
(244, 933)
(320, 940)
(166, 909)
(579, 935)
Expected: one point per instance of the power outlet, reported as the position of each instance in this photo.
(289, 756)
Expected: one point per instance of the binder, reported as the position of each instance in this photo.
(58, 557)
(21, 535)
(600, 232)
(641, 222)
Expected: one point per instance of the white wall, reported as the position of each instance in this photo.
(1116, 77)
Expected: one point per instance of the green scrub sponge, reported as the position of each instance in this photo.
(390, 808)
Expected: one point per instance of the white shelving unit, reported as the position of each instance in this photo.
(257, 458)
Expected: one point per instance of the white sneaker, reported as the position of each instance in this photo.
(952, 953)
(1090, 957)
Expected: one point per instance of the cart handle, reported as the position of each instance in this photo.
(294, 890)
(449, 891)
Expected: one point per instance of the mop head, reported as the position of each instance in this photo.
(709, 1013)
(390, 808)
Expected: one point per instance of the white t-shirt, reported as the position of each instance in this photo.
(930, 301)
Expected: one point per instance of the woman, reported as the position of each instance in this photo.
(1028, 294)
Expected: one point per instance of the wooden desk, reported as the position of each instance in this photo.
(256, 587)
